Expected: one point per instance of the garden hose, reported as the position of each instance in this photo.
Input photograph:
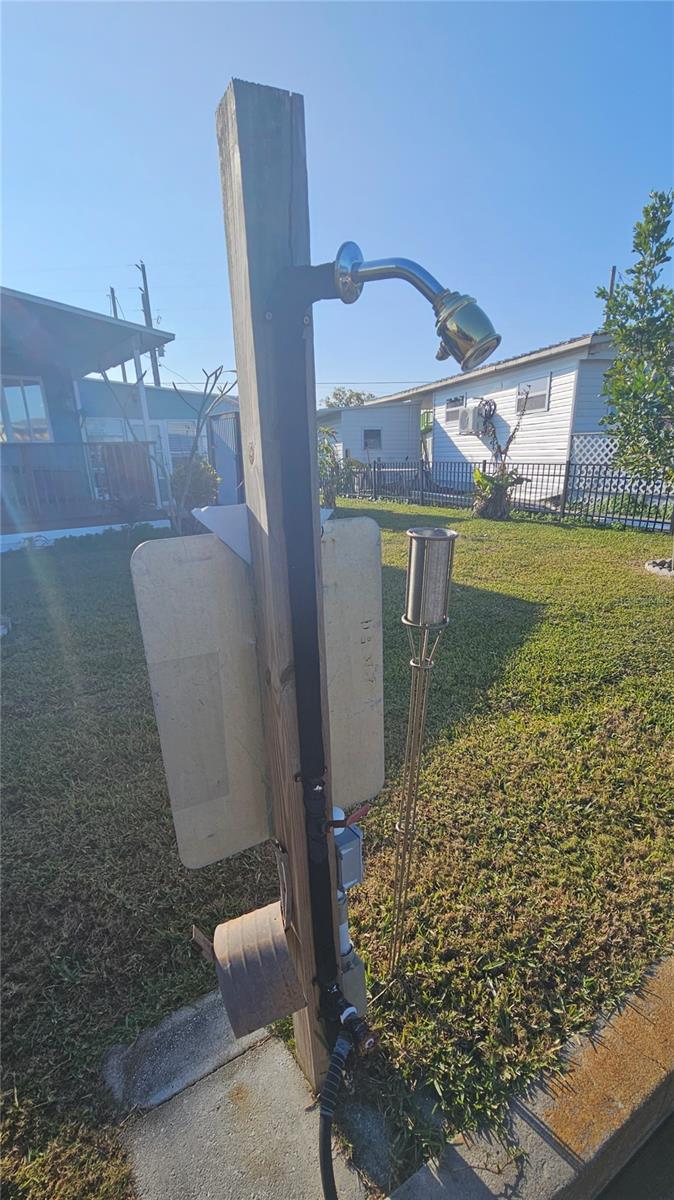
(340, 1053)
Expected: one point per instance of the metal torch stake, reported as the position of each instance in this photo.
(428, 578)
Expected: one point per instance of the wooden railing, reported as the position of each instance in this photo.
(52, 485)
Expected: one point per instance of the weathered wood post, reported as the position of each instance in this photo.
(264, 181)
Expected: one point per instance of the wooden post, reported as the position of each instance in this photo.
(113, 299)
(264, 183)
(142, 397)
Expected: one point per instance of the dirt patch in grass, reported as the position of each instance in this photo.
(545, 860)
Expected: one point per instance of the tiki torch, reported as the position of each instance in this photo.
(429, 571)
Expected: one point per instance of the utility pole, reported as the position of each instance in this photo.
(611, 286)
(264, 182)
(115, 314)
(147, 312)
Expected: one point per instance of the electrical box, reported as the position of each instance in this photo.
(349, 851)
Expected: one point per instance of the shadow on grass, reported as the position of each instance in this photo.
(399, 522)
(392, 1131)
(485, 630)
(393, 1127)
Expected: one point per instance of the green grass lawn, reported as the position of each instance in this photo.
(544, 882)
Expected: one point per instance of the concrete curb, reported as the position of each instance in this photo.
(188, 1044)
(572, 1135)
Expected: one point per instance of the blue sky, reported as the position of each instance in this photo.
(508, 147)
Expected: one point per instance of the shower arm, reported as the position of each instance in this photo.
(399, 268)
(465, 332)
(344, 278)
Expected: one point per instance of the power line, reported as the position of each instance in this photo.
(341, 382)
(105, 267)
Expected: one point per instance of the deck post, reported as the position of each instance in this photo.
(264, 183)
(142, 398)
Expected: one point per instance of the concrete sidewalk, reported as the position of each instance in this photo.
(249, 1131)
(241, 1123)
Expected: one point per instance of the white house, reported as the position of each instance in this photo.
(564, 405)
(388, 429)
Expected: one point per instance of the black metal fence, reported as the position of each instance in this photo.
(596, 493)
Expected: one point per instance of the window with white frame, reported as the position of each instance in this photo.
(24, 411)
(372, 439)
(453, 406)
(534, 395)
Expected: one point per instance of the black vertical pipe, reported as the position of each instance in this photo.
(291, 312)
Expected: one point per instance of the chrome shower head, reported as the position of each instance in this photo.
(465, 331)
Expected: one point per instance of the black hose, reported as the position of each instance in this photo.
(340, 1053)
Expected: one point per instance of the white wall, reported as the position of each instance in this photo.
(400, 431)
(543, 434)
(590, 403)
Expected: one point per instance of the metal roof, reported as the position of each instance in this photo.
(36, 333)
(577, 343)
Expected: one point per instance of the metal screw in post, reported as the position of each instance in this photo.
(429, 572)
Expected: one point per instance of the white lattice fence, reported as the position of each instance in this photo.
(592, 449)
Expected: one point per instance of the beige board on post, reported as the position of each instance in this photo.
(196, 609)
(352, 617)
(197, 619)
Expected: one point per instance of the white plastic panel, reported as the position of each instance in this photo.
(195, 604)
(351, 559)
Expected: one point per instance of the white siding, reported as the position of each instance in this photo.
(543, 435)
(590, 403)
(400, 431)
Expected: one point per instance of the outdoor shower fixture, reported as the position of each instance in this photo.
(465, 331)
(429, 572)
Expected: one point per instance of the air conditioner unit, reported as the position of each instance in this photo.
(470, 421)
